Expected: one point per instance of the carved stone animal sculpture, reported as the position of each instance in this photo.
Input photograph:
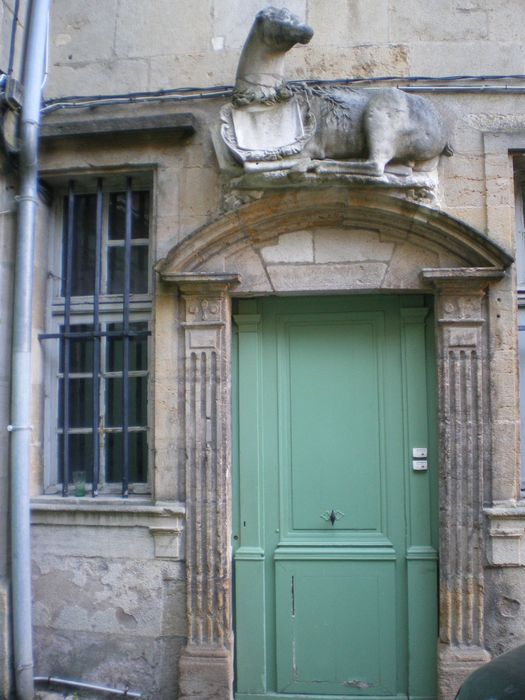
(375, 127)
(260, 73)
(379, 127)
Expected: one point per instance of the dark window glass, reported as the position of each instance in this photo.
(138, 348)
(139, 270)
(80, 455)
(137, 404)
(83, 245)
(138, 456)
(139, 215)
(523, 197)
(80, 349)
(80, 403)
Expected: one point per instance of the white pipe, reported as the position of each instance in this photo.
(21, 350)
(86, 686)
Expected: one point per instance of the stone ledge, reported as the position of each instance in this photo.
(164, 520)
(181, 125)
(117, 512)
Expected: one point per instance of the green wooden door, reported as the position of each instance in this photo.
(334, 530)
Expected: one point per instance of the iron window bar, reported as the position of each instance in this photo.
(125, 343)
(66, 469)
(96, 342)
(66, 335)
(93, 334)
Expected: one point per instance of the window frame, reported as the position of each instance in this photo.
(519, 192)
(81, 311)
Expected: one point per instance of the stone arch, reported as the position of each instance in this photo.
(235, 242)
(332, 241)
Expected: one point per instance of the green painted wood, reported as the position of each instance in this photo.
(331, 456)
(422, 548)
(345, 643)
(327, 397)
(422, 594)
(250, 633)
(316, 696)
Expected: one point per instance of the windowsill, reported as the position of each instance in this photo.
(106, 511)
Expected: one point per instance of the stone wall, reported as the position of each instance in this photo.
(129, 45)
(109, 580)
(7, 8)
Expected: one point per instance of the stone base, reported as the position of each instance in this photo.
(206, 673)
(454, 665)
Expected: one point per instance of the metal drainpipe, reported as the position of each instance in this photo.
(21, 350)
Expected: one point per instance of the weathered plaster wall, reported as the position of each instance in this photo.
(109, 592)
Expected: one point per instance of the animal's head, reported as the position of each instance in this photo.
(279, 29)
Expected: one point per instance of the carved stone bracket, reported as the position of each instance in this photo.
(464, 422)
(206, 667)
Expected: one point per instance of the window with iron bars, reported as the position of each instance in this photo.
(98, 346)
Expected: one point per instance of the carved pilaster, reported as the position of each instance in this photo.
(463, 400)
(206, 663)
(464, 425)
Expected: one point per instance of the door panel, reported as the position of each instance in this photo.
(318, 650)
(332, 527)
(332, 454)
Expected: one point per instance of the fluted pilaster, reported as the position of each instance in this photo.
(206, 664)
(464, 437)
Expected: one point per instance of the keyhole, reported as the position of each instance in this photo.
(332, 517)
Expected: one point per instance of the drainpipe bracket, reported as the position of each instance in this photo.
(26, 198)
(14, 94)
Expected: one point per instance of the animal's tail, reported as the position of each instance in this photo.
(448, 150)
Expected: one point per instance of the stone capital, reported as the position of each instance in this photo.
(201, 283)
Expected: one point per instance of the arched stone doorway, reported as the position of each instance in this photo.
(332, 242)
